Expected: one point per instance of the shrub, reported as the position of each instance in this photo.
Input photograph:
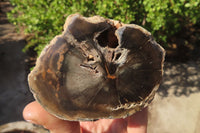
(43, 19)
(167, 17)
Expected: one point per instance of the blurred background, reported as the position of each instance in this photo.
(26, 26)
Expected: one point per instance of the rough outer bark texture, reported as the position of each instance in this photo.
(97, 68)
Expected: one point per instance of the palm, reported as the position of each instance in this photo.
(105, 126)
(114, 125)
(133, 124)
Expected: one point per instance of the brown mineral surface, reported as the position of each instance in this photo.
(95, 58)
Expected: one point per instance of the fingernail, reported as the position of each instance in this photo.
(32, 121)
(29, 118)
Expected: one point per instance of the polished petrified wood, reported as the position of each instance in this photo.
(97, 68)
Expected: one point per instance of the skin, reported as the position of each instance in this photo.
(136, 123)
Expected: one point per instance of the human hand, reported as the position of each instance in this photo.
(136, 123)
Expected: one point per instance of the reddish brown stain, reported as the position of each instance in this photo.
(56, 94)
(43, 74)
(49, 71)
(109, 76)
(59, 63)
(57, 87)
(50, 82)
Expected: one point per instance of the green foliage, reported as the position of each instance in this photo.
(167, 17)
(43, 19)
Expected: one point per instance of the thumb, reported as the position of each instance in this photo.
(35, 113)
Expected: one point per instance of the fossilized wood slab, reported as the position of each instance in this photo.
(97, 68)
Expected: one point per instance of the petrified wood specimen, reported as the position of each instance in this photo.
(97, 68)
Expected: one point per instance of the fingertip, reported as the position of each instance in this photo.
(29, 112)
(36, 114)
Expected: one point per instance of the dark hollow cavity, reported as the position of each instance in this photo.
(108, 38)
(117, 56)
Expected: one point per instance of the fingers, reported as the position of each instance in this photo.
(137, 123)
(34, 113)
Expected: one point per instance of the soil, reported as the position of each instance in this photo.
(14, 91)
(175, 108)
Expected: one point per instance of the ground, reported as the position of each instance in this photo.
(175, 108)
(14, 92)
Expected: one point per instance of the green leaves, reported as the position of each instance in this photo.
(169, 16)
(44, 19)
